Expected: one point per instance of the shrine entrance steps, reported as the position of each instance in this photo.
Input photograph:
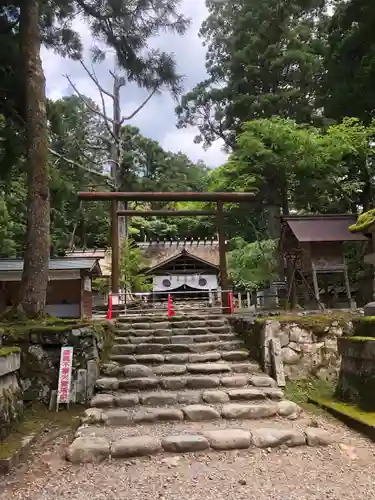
(181, 385)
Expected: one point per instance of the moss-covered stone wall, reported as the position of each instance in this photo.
(40, 348)
(308, 342)
(11, 406)
(356, 382)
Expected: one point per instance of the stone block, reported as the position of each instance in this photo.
(208, 368)
(158, 415)
(182, 339)
(158, 398)
(270, 438)
(288, 409)
(277, 362)
(203, 382)
(204, 357)
(102, 401)
(81, 388)
(234, 381)
(112, 369)
(177, 358)
(10, 363)
(185, 443)
(173, 383)
(291, 356)
(169, 369)
(138, 370)
(228, 439)
(126, 400)
(214, 397)
(189, 397)
(88, 450)
(247, 394)
(152, 359)
(262, 381)
(138, 446)
(197, 413)
(140, 383)
(318, 437)
(235, 355)
(107, 384)
(248, 411)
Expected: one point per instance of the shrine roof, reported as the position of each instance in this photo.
(322, 228)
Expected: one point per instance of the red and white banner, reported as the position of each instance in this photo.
(65, 375)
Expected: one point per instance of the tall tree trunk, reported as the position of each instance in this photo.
(34, 281)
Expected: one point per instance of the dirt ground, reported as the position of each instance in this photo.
(343, 471)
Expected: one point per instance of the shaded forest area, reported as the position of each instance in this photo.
(289, 92)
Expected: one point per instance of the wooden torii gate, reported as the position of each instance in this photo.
(218, 198)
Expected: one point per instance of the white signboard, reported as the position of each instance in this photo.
(87, 284)
(65, 375)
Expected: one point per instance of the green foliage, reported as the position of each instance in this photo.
(264, 58)
(131, 265)
(252, 265)
(101, 285)
(350, 61)
(364, 221)
(304, 168)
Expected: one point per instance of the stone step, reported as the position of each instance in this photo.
(177, 339)
(157, 359)
(138, 370)
(169, 398)
(94, 444)
(176, 383)
(173, 319)
(157, 348)
(169, 332)
(192, 413)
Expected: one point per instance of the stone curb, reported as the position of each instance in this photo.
(121, 360)
(192, 413)
(158, 348)
(6, 464)
(189, 381)
(85, 449)
(210, 396)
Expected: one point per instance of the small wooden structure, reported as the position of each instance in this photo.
(312, 246)
(182, 265)
(69, 291)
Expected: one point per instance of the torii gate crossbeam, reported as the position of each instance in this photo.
(219, 197)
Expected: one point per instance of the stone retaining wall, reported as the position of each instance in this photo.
(356, 383)
(11, 406)
(308, 343)
(40, 358)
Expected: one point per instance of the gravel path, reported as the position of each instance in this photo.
(344, 471)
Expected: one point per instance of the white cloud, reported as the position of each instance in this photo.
(157, 120)
(183, 140)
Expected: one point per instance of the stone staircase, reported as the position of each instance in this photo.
(184, 385)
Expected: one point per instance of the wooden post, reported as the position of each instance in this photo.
(115, 243)
(347, 285)
(315, 281)
(223, 258)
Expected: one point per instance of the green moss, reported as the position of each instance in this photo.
(364, 326)
(20, 330)
(37, 420)
(300, 391)
(356, 338)
(350, 410)
(317, 323)
(5, 351)
(363, 223)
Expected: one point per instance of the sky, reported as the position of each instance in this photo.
(157, 120)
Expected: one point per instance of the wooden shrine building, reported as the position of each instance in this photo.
(312, 250)
(182, 265)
